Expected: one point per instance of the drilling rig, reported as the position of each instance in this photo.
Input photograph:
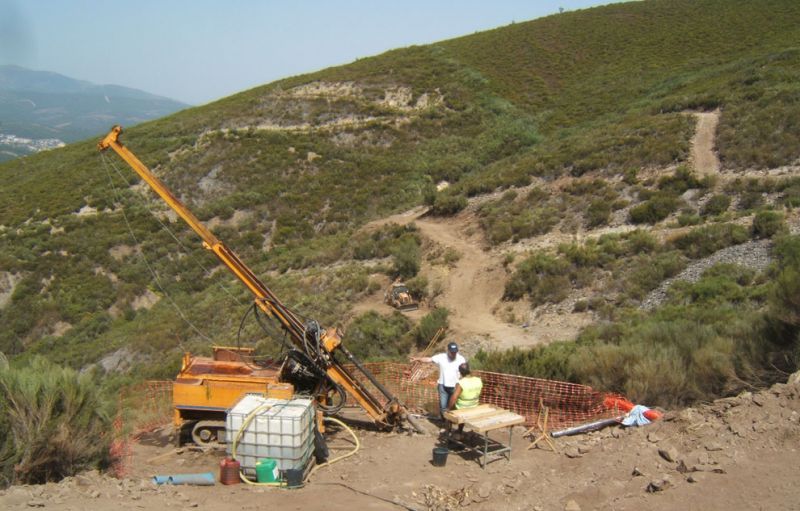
(317, 361)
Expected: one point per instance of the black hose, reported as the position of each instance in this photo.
(362, 492)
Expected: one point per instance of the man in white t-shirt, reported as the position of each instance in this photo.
(448, 363)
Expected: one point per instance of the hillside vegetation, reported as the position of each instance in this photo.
(39, 109)
(578, 118)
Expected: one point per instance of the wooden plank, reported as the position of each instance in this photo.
(477, 414)
(501, 425)
(497, 421)
(459, 416)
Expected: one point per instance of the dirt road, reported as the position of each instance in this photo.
(704, 158)
(472, 288)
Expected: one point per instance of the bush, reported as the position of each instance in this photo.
(646, 271)
(542, 276)
(372, 336)
(686, 219)
(766, 224)
(683, 179)
(418, 287)
(598, 213)
(549, 362)
(447, 204)
(716, 205)
(704, 241)
(55, 425)
(406, 256)
(422, 334)
(653, 210)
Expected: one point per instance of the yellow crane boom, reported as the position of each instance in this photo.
(328, 341)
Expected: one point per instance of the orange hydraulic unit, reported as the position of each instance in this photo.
(206, 387)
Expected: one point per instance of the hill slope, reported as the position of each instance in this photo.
(572, 122)
(38, 109)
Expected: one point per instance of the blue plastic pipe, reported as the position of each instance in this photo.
(160, 479)
(202, 479)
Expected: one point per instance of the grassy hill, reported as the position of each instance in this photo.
(39, 105)
(287, 172)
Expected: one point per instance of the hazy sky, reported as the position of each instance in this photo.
(200, 50)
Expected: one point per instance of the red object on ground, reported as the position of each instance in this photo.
(229, 471)
(620, 403)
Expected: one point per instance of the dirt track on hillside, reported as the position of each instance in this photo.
(472, 288)
(703, 157)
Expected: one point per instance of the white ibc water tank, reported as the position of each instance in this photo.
(282, 431)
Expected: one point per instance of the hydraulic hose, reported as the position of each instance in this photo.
(343, 456)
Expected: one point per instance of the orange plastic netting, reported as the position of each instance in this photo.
(568, 404)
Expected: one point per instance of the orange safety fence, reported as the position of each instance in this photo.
(142, 408)
(569, 404)
(149, 405)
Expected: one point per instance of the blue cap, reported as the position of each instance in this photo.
(452, 347)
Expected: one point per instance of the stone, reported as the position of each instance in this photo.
(525, 473)
(35, 503)
(713, 446)
(759, 400)
(572, 452)
(636, 472)
(572, 506)
(584, 449)
(653, 437)
(657, 485)
(670, 454)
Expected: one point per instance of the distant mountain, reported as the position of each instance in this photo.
(41, 110)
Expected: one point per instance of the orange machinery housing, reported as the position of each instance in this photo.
(208, 386)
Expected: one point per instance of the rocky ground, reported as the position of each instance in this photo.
(734, 453)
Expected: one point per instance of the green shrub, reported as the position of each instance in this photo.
(750, 200)
(418, 287)
(407, 255)
(683, 179)
(550, 362)
(767, 224)
(716, 205)
(55, 423)
(686, 219)
(447, 204)
(646, 271)
(791, 196)
(704, 241)
(372, 336)
(542, 276)
(598, 213)
(653, 210)
(422, 334)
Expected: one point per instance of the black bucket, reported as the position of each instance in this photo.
(440, 456)
(294, 477)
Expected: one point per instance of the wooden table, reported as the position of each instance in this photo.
(485, 418)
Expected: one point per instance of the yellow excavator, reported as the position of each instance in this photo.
(317, 361)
